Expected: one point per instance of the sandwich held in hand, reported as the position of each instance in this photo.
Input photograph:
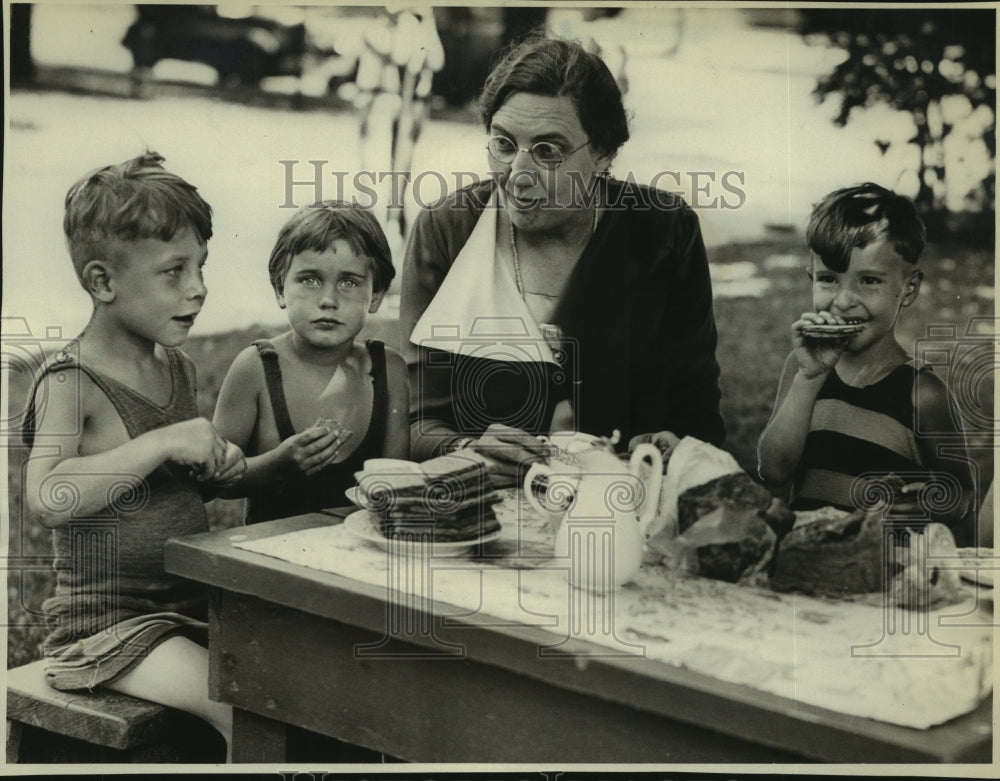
(830, 330)
(445, 499)
(335, 428)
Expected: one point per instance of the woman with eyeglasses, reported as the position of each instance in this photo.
(552, 296)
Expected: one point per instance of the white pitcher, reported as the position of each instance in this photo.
(603, 507)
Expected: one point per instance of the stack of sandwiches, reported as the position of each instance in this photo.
(445, 499)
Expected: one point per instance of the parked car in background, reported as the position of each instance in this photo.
(243, 50)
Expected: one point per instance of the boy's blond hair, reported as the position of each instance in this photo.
(137, 199)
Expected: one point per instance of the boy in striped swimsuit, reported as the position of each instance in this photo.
(846, 409)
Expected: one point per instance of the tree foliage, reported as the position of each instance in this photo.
(911, 61)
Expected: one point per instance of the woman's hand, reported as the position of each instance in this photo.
(816, 357)
(511, 449)
(666, 441)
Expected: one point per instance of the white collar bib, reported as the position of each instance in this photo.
(478, 311)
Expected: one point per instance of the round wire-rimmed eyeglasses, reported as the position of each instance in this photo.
(544, 153)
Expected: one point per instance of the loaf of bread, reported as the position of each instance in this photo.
(728, 529)
(736, 491)
(690, 463)
(839, 553)
(836, 553)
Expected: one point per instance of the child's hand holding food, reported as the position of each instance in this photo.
(315, 448)
(233, 466)
(195, 444)
(818, 340)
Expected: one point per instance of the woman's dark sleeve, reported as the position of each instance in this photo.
(677, 372)
(425, 265)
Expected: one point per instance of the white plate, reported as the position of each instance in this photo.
(980, 565)
(364, 524)
(355, 497)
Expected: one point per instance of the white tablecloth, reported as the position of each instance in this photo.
(904, 667)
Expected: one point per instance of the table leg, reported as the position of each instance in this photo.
(258, 738)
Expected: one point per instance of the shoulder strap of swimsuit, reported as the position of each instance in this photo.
(380, 389)
(63, 359)
(272, 376)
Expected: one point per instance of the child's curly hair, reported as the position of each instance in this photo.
(137, 199)
(316, 227)
(856, 216)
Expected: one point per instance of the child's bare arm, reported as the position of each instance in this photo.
(780, 447)
(397, 425)
(67, 476)
(236, 412)
(941, 441)
(237, 415)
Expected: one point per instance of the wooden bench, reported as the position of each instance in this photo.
(103, 726)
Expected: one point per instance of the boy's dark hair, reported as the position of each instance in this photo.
(857, 216)
(560, 68)
(316, 227)
(137, 199)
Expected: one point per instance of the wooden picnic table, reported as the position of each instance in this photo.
(294, 645)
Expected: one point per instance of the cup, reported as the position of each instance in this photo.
(571, 442)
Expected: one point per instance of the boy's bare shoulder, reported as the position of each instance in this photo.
(394, 362)
(930, 391)
(65, 398)
(932, 404)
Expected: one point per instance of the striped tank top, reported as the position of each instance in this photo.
(854, 432)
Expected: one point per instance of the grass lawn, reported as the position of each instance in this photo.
(753, 344)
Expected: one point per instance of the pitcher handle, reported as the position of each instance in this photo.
(534, 471)
(647, 457)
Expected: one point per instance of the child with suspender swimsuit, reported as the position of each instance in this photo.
(311, 405)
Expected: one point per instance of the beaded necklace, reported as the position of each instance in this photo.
(517, 262)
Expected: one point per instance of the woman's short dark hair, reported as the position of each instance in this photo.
(561, 68)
